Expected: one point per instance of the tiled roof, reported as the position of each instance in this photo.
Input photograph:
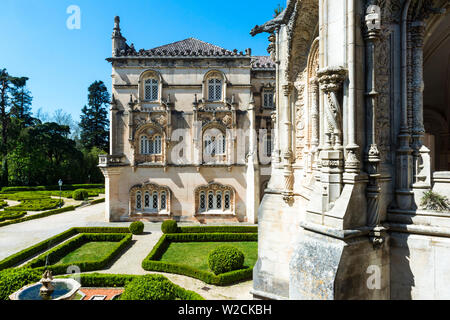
(262, 63)
(190, 47)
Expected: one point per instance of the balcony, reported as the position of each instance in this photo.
(106, 160)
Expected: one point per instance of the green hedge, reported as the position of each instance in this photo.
(97, 201)
(219, 229)
(99, 280)
(27, 253)
(11, 280)
(12, 215)
(39, 215)
(54, 187)
(151, 262)
(3, 204)
(62, 250)
(35, 205)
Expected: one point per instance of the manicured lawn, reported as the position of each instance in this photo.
(91, 251)
(195, 254)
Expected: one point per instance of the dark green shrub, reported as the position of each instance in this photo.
(12, 215)
(11, 280)
(225, 259)
(169, 226)
(149, 287)
(80, 194)
(219, 229)
(136, 227)
(3, 204)
(35, 205)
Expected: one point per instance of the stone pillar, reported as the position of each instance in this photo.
(252, 176)
(315, 127)
(372, 154)
(287, 155)
(113, 127)
(331, 157)
(421, 154)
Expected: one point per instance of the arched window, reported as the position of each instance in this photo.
(138, 200)
(219, 200)
(151, 90)
(214, 198)
(157, 144)
(163, 200)
(144, 145)
(209, 145)
(202, 202)
(214, 89)
(155, 200)
(147, 200)
(221, 144)
(227, 204)
(268, 101)
(267, 145)
(210, 200)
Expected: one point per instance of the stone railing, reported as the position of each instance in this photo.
(106, 160)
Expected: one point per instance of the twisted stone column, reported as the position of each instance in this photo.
(287, 152)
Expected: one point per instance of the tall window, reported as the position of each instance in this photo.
(268, 99)
(138, 200)
(214, 144)
(157, 144)
(163, 200)
(202, 202)
(147, 200)
(227, 204)
(151, 90)
(267, 146)
(221, 144)
(155, 201)
(214, 89)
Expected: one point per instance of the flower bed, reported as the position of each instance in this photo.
(152, 261)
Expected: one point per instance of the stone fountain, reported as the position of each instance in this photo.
(48, 289)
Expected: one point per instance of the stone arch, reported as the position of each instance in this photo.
(163, 194)
(151, 131)
(149, 74)
(215, 189)
(214, 73)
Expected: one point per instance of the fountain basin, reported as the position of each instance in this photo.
(64, 289)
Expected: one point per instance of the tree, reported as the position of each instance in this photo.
(5, 87)
(94, 118)
(21, 102)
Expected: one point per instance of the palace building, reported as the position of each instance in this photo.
(190, 132)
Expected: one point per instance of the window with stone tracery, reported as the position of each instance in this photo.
(150, 199)
(214, 146)
(151, 145)
(151, 90)
(268, 98)
(214, 89)
(215, 199)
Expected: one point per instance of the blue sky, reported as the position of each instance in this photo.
(61, 63)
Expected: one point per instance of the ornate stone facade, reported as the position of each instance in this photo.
(362, 74)
(182, 117)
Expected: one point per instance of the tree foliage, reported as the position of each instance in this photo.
(43, 149)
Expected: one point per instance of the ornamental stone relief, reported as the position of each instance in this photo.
(300, 120)
(383, 69)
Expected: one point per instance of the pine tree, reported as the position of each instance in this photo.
(94, 118)
(5, 88)
(21, 102)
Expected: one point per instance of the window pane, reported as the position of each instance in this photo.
(219, 200)
(138, 201)
(155, 200)
(163, 200)
(210, 201)
(227, 201)
(202, 201)
(147, 200)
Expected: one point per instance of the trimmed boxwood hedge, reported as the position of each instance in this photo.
(80, 194)
(62, 250)
(12, 280)
(152, 263)
(35, 205)
(54, 187)
(100, 280)
(97, 201)
(12, 215)
(219, 229)
(27, 253)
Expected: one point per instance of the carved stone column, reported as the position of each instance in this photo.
(287, 152)
(372, 154)
(331, 157)
(113, 127)
(314, 85)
